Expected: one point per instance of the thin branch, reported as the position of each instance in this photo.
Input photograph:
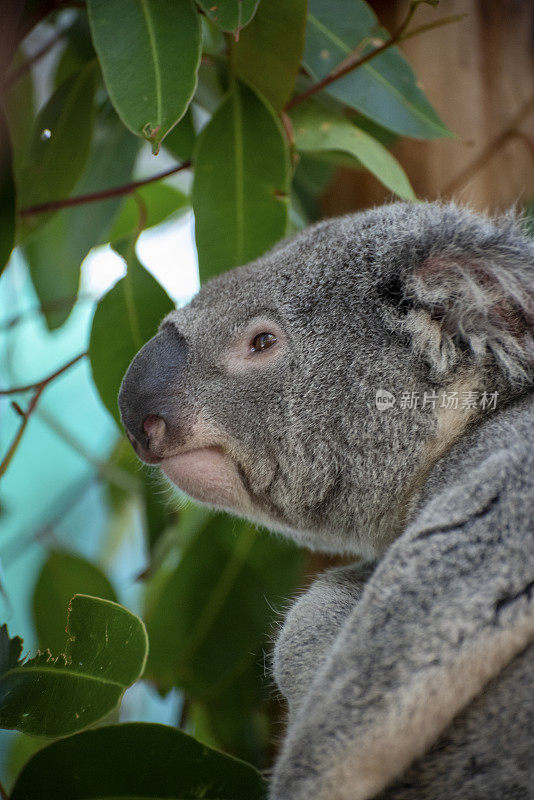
(429, 26)
(18, 436)
(491, 148)
(29, 63)
(38, 389)
(106, 470)
(55, 513)
(40, 385)
(105, 194)
(353, 61)
(3, 794)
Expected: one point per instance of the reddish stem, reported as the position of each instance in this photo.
(105, 194)
(348, 65)
(38, 388)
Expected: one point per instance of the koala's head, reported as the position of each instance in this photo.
(270, 394)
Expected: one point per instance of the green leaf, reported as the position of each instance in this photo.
(21, 747)
(78, 49)
(160, 201)
(59, 146)
(229, 15)
(317, 129)
(136, 760)
(18, 103)
(55, 252)
(385, 88)
(62, 576)
(105, 652)
(212, 86)
(241, 183)
(180, 142)
(7, 194)
(125, 318)
(237, 720)
(159, 511)
(269, 50)
(311, 178)
(149, 58)
(209, 618)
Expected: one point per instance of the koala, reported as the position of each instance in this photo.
(366, 388)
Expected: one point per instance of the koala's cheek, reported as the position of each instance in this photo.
(209, 476)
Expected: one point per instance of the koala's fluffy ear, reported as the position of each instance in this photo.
(457, 304)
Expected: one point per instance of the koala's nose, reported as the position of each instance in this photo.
(145, 397)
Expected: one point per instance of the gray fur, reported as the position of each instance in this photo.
(410, 684)
(463, 568)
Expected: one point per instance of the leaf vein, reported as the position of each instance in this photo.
(60, 671)
(155, 60)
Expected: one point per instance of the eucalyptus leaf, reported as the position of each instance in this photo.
(385, 88)
(238, 719)
(316, 129)
(269, 50)
(19, 108)
(149, 58)
(209, 619)
(125, 318)
(56, 251)
(136, 760)
(21, 748)
(180, 141)
(78, 48)
(212, 85)
(229, 15)
(158, 512)
(62, 576)
(59, 146)
(158, 200)
(105, 652)
(241, 183)
(311, 178)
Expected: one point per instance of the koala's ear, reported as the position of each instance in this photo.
(454, 305)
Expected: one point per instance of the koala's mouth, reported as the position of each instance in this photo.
(208, 475)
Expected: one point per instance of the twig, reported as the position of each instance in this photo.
(491, 148)
(38, 389)
(28, 64)
(353, 61)
(106, 470)
(3, 794)
(94, 197)
(44, 381)
(54, 514)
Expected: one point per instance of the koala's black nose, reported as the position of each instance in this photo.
(145, 397)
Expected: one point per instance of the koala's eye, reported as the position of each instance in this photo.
(262, 342)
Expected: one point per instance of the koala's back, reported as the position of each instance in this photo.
(487, 751)
(433, 671)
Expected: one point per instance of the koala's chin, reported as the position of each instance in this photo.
(208, 475)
